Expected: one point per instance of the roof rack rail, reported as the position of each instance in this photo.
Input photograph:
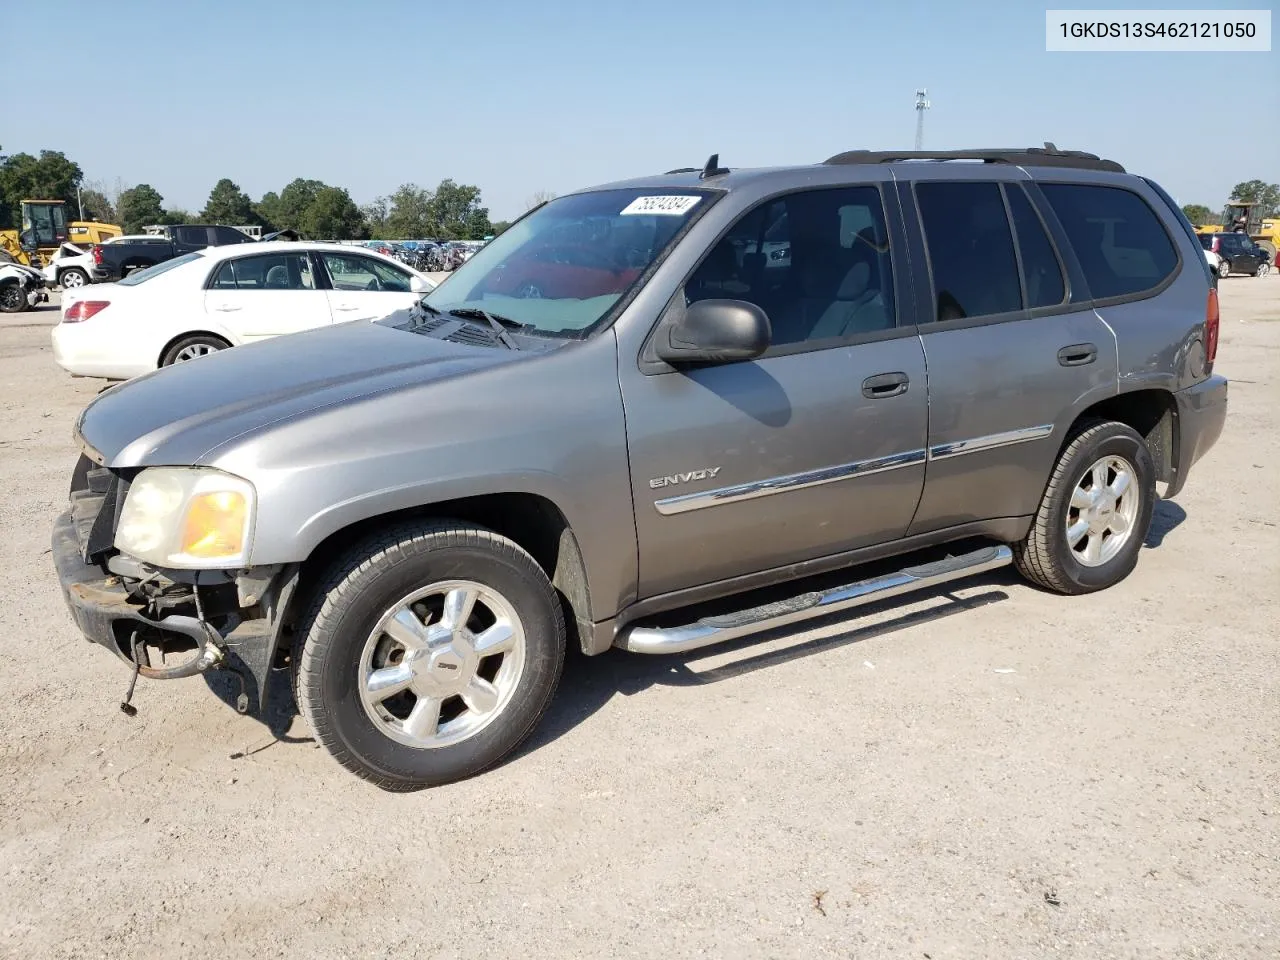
(681, 170)
(1046, 156)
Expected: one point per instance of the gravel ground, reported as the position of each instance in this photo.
(991, 772)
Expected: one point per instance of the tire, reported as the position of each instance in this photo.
(344, 643)
(1224, 270)
(72, 277)
(1263, 269)
(13, 299)
(192, 347)
(1047, 556)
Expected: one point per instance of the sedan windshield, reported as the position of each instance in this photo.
(561, 269)
(142, 276)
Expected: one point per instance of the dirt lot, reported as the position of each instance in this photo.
(994, 772)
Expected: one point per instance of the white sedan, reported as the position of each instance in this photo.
(221, 297)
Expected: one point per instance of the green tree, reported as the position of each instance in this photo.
(411, 215)
(375, 217)
(95, 206)
(228, 204)
(139, 206)
(50, 176)
(456, 213)
(499, 228)
(268, 211)
(1266, 195)
(176, 216)
(1198, 214)
(332, 215)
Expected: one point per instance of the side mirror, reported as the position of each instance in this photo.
(713, 331)
(420, 285)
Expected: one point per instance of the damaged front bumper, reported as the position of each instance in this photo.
(171, 630)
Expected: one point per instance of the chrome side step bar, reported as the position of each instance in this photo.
(731, 626)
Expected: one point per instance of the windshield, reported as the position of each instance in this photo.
(562, 268)
(142, 276)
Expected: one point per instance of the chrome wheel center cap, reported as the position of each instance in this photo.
(444, 670)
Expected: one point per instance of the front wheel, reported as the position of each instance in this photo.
(1263, 269)
(1094, 514)
(428, 654)
(13, 299)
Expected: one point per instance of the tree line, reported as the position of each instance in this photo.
(318, 210)
(1266, 195)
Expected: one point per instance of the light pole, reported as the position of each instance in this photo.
(922, 104)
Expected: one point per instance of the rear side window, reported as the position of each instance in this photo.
(280, 271)
(1040, 267)
(194, 235)
(975, 273)
(1121, 244)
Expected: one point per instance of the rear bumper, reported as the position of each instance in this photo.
(1202, 413)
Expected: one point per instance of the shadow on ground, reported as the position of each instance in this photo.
(1165, 518)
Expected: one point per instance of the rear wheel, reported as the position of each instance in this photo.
(428, 654)
(1094, 514)
(192, 347)
(1263, 269)
(1224, 269)
(72, 277)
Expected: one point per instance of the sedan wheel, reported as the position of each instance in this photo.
(192, 348)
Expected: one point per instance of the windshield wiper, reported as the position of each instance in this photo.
(499, 324)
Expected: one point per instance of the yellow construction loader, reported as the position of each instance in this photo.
(45, 228)
(1247, 218)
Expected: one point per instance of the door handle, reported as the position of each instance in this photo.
(885, 385)
(346, 309)
(226, 308)
(1078, 354)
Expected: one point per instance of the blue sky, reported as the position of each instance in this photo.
(518, 97)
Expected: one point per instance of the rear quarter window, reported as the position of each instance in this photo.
(1123, 248)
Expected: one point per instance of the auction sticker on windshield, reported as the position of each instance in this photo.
(667, 206)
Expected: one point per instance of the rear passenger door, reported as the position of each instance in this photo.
(1013, 346)
(816, 447)
(267, 295)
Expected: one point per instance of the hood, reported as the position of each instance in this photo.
(180, 414)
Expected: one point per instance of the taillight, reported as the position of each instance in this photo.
(84, 309)
(1211, 327)
(97, 254)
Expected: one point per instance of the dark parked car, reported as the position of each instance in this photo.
(112, 261)
(654, 440)
(1239, 251)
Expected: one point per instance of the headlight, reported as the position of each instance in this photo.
(187, 518)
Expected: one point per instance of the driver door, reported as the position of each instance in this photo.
(814, 448)
(362, 288)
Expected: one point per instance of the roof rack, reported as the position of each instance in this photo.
(1046, 156)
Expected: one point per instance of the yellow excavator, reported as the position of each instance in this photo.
(45, 228)
(1247, 218)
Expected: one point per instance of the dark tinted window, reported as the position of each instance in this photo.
(975, 273)
(1040, 268)
(1120, 243)
(223, 235)
(198, 236)
(817, 263)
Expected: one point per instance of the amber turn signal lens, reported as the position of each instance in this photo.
(215, 525)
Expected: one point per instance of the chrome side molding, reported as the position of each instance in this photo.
(943, 451)
(785, 484)
(731, 626)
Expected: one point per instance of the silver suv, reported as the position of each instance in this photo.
(632, 411)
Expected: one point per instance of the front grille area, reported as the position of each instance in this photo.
(96, 497)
